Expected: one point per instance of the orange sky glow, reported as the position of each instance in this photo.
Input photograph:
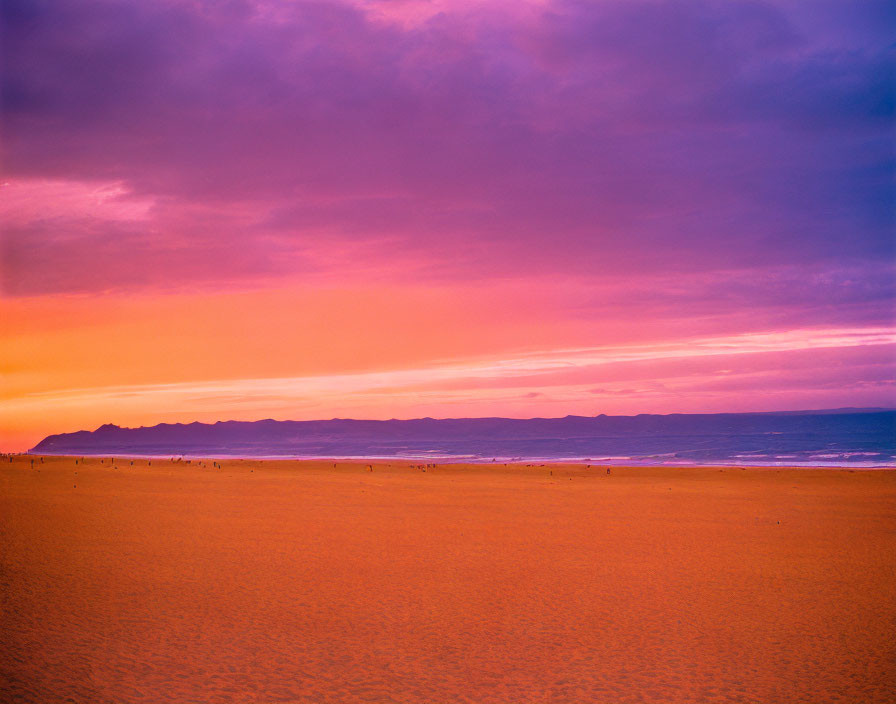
(396, 351)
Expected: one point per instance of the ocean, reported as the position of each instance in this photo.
(839, 438)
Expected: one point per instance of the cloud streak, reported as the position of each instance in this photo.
(442, 382)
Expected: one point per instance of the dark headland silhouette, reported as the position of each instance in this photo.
(838, 436)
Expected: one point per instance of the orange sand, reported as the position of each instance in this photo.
(295, 581)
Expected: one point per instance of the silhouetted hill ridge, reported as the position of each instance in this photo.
(861, 432)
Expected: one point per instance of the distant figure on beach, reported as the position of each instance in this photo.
(608, 470)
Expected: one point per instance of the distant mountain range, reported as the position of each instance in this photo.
(836, 436)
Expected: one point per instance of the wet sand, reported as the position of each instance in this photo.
(300, 582)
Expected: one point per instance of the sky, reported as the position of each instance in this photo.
(397, 209)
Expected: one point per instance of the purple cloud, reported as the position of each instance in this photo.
(593, 139)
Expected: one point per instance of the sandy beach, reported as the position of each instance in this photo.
(286, 581)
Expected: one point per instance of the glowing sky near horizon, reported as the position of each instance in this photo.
(388, 208)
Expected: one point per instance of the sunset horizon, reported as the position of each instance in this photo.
(448, 351)
(442, 208)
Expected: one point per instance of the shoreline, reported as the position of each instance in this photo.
(458, 462)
